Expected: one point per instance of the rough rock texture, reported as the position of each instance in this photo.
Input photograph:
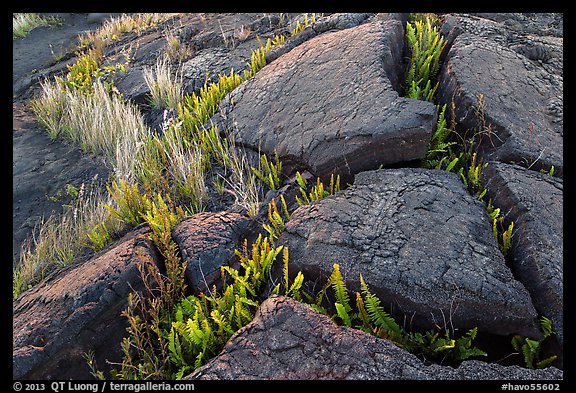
(422, 243)
(207, 241)
(331, 104)
(336, 21)
(328, 100)
(77, 311)
(534, 202)
(212, 44)
(288, 340)
(520, 77)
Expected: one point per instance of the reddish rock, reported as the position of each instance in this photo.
(207, 241)
(288, 340)
(77, 310)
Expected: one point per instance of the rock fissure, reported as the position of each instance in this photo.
(329, 103)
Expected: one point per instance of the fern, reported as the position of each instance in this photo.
(440, 145)
(291, 290)
(342, 303)
(530, 348)
(269, 172)
(426, 45)
(363, 315)
(277, 222)
(507, 239)
(130, 203)
(99, 236)
(317, 191)
(463, 348)
(343, 314)
(377, 314)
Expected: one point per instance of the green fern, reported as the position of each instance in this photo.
(378, 316)
(426, 45)
(439, 144)
(277, 222)
(342, 303)
(269, 172)
(99, 236)
(131, 205)
(464, 349)
(317, 191)
(530, 348)
(291, 290)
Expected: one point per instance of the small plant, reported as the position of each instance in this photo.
(305, 23)
(130, 203)
(426, 45)
(258, 58)
(23, 23)
(439, 144)
(371, 317)
(99, 236)
(550, 172)
(175, 50)
(317, 191)
(89, 356)
(291, 290)
(196, 109)
(162, 217)
(243, 33)
(269, 172)
(277, 222)
(433, 344)
(165, 90)
(530, 348)
(85, 71)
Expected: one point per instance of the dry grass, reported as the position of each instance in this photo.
(112, 29)
(59, 239)
(166, 90)
(23, 23)
(176, 50)
(174, 163)
(49, 107)
(99, 123)
(242, 183)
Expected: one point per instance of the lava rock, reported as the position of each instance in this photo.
(534, 202)
(78, 311)
(422, 243)
(331, 105)
(521, 115)
(288, 340)
(207, 241)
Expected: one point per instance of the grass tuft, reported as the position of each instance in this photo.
(166, 90)
(24, 23)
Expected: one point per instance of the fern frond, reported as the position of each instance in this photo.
(546, 362)
(377, 314)
(343, 314)
(294, 290)
(363, 314)
(546, 326)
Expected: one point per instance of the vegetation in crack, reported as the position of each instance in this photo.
(317, 191)
(440, 344)
(269, 172)
(531, 348)
(426, 45)
(448, 150)
(85, 107)
(457, 152)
